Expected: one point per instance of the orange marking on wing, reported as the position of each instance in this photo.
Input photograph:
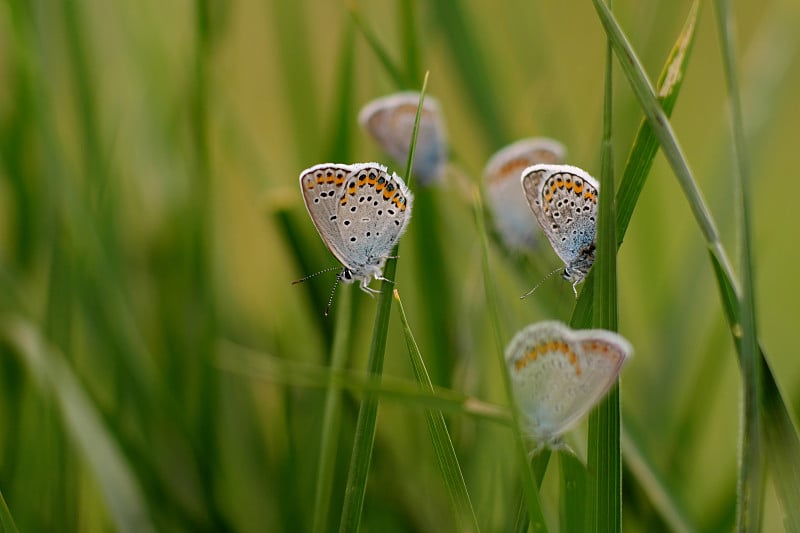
(529, 357)
(343, 201)
(573, 360)
(408, 108)
(515, 166)
(578, 188)
(399, 202)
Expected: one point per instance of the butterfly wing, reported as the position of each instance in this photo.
(600, 356)
(512, 216)
(541, 373)
(322, 187)
(558, 375)
(372, 213)
(390, 121)
(564, 200)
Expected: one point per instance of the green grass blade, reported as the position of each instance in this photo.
(257, 365)
(605, 488)
(340, 141)
(394, 72)
(574, 485)
(780, 438)
(200, 339)
(433, 284)
(367, 415)
(645, 146)
(651, 481)
(470, 62)
(331, 418)
(751, 471)
(410, 38)
(7, 524)
(342, 126)
(643, 152)
(775, 413)
(780, 432)
(290, 28)
(648, 101)
(442, 444)
(530, 489)
(114, 475)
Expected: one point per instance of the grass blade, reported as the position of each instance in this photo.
(530, 489)
(331, 418)
(257, 365)
(410, 37)
(469, 60)
(367, 415)
(574, 485)
(390, 66)
(780, 432)
(751, 471)
(604, 511)
(340, 140)
(443, 446)
(660, 494)
(115, 476)
(645, 146)
(775, 414)
(7, 524)
(642, 153)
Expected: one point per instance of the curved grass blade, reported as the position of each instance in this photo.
(392, 69)
(780, 433)
(645, 146)
(653, 484)
(530, 489)
(257, 365)
(115, 477)
(7, 524)
(751, 471)
(443, 446)
(368, 413)
(777, 420)
(643, 152)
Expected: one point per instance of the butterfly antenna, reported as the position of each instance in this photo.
(333, 291)
(301, 280)
(539, 284)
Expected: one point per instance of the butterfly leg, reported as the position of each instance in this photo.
(366, 288)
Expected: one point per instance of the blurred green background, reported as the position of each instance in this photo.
(151, 223)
